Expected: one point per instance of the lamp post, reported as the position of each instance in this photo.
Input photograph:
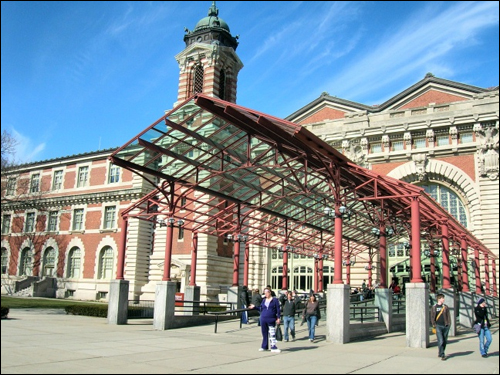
(170, 223)
(237, 240)
(338, 215)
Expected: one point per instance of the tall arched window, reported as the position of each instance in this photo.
(26, 264)
(303, 278)
(198, 80)
(49, 261)
(222, 84)
(327, 276)
(5, 260)
(449, 200)
(74, 263)
(106, 263)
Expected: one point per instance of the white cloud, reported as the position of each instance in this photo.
(26, 151)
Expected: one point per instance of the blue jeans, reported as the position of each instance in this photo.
(442, 338)
(311, 325)
(289, 323)
(485, 333)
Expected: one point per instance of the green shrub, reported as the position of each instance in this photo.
(100, 311)
(5, 312)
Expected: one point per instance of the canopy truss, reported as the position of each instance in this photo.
(228, 170)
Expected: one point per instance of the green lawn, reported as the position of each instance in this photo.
(40, 303)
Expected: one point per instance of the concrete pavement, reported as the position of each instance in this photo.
(49, 341)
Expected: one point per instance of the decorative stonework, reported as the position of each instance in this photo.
(487, 152)
(420, 162)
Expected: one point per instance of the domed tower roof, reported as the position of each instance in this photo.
(211, 30)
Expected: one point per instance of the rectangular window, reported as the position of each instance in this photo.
(57, 180)
(466, 138)
(442, 140)
(5, 224)
(114, 174)
(375, 148)
(83, 176)
(35, 183)
(397, 146)
(30, 222)
(181, 234)
(52, 225)
(419, 143)
(78, 219)
(109, 217)
(11, 186)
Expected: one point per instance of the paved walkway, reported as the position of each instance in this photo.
(51, 342)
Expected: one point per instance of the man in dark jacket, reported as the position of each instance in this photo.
(245, 302)
(441, 320)
(289, 310)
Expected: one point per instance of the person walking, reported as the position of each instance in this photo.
(289, 311)
(256, 301)
(311, 314)
(441, 320)
(481, 313)
(245, 302)
(270, 315)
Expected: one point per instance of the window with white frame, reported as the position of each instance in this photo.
(29, 226)
(106, 263)
(35, 183)
(375, 148)
(11, 186)
(114, 174)
(49, 261)
(397, 145)
(303, 277)
(419, 143)
(57, 180)
(52, 224)
(449, 200)
(83, 176)
(5, 260)
(443, 140)
(180, 236)
(466, 138)
(6, 224)
(109, 217)
(78, 219)
(74, 263)
(26, 264)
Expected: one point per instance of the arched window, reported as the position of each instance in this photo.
(106, 263)
(5, 261)
(26, 264)
(449, 200)
(49, 261)
(198, 80)
(303, 278)
(327, 276)
(222, 84)
(74, 263)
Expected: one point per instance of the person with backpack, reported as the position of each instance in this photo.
(441, 321)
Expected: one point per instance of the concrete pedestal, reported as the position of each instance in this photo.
(192, 293)
(118, 302)
(164, 305)
(466, 305)
(417, 315)
(451, 302)
(383, 300)
(233, 296)
(337, 314)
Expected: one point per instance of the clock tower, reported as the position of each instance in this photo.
(209, 63)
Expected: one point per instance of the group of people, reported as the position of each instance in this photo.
(272, 310)
(441, 321)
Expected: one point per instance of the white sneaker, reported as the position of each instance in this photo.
(262, 350)
(275, 351)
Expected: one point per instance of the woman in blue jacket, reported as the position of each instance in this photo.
(269, 316)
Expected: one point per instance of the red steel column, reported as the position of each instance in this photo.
(337, 272)
(494, 271)
(121, 252)
(476, 271)
(446, 255)
(433, 266)
(320, 274)
(236, 260)
(383, 256)
(168, 251)
(284, 280)
(465, 266)
(246, 264)
(487, 274)
(194, 259)
(416, 263)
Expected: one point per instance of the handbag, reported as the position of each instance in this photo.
(279, 333)
(477, 328)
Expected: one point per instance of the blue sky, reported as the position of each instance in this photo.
(83, 76)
